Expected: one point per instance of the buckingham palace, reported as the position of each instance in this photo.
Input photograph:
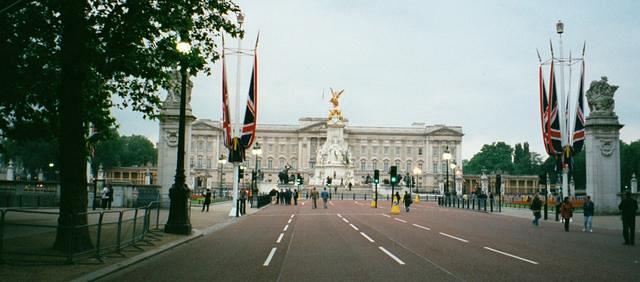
(417, 146)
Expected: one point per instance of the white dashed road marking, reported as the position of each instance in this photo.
(454, 237)
(292, 215)
(510, 255)
(345, 220)
(368, 238)
(386, 215)
(268, 260)
(339, 215)
(420, 226)
(391, 255)
(285, 227)
(401, 220)
(354, 227)
(280, 238)
(289, 220)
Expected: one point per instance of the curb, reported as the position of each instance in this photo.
(93, 276)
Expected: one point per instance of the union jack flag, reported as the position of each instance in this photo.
(554, 134)
(226, 118)
(544, 111)
(578, 130)
(251, 113)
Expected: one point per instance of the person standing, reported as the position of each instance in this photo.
(566, 212)
(628, 206)
(105, 197)
(325, 196)
(314, 198)
(295, 197)
(588, 209)
(536, 206)
(207, 200)
(407, 201)
(110, 195)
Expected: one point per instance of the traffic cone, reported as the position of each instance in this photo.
(373, 204)
(417, 200)
(395, 209)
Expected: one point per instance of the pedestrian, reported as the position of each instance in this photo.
(314, 198)
(105, 197)
(110, 195)
(350, 185)
(588, 208)
(282, 196)
(628, 206)
(207, 200)
(536, 206)
(335, 189)
(396, 198)
(407, 201)
(558, 204)
(325, 196)
(295, 197)
(566, 212)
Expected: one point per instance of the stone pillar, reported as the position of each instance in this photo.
(168, 137)
(634, 184)
(602, 148)
(572, 188)
(484, 183)
(10, 171)
(147, 177)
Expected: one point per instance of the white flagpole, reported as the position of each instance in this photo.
(237, 129)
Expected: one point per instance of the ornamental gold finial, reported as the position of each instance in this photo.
(335, 111)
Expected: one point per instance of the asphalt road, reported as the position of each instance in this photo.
(350, 241)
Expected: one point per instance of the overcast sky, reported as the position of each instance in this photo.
(466, 63)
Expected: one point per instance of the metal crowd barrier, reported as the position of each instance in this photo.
(29, 236)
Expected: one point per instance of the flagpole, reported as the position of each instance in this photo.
(237, 131)
(561, 112)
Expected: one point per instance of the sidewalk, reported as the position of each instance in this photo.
(611, 222)
(90, 269)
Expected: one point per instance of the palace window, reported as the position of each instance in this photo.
(435, 167)
(281, 163)
(398, 164)
(397, 151)
(386, 150)
(409, 169)
(363, 165)
(191, 161)
(270, 164)
(199, 161)
(385, 165)
(209, 163)
(419, 151)
(375, 164)
(209, 146)
(200, 146)
(408, 151)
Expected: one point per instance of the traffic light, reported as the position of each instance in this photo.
(393, 171)
(498, 183)
(240, 172)
(376, 176)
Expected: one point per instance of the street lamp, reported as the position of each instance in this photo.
(221, 161)
(178, 222)
(446, 156)
(256, 152)
(453, 177)
(417, 172)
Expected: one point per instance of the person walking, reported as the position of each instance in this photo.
(407, 201)
(314, 198)
(110, 195)
(566, 212)
(105, 197)
(207, 200)
(325, 196)
(536, 206)
(295, 197)
(558, 204)
(588, 208)
(396, 199)
(628, 206)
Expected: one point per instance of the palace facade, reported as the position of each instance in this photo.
(417, 146)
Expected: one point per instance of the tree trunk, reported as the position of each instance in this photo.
(73, 155)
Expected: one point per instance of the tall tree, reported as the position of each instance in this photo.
(493, 157)
(63, 61)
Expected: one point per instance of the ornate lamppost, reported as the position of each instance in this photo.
(256, 152)
(221, 161)
(417, 172)
(446, 156)
(453, 177)
(178, 222)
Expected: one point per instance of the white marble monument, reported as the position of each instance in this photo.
(602, 148)
(333, 158)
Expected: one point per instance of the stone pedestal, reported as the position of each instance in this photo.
(602, 143)
(333, 158)
(168, 137)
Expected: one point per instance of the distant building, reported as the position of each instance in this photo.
(371, 148)
(131, 175)
(512, 184)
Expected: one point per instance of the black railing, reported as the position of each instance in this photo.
(28, 235)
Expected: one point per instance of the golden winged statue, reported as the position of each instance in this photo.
(335, 111)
